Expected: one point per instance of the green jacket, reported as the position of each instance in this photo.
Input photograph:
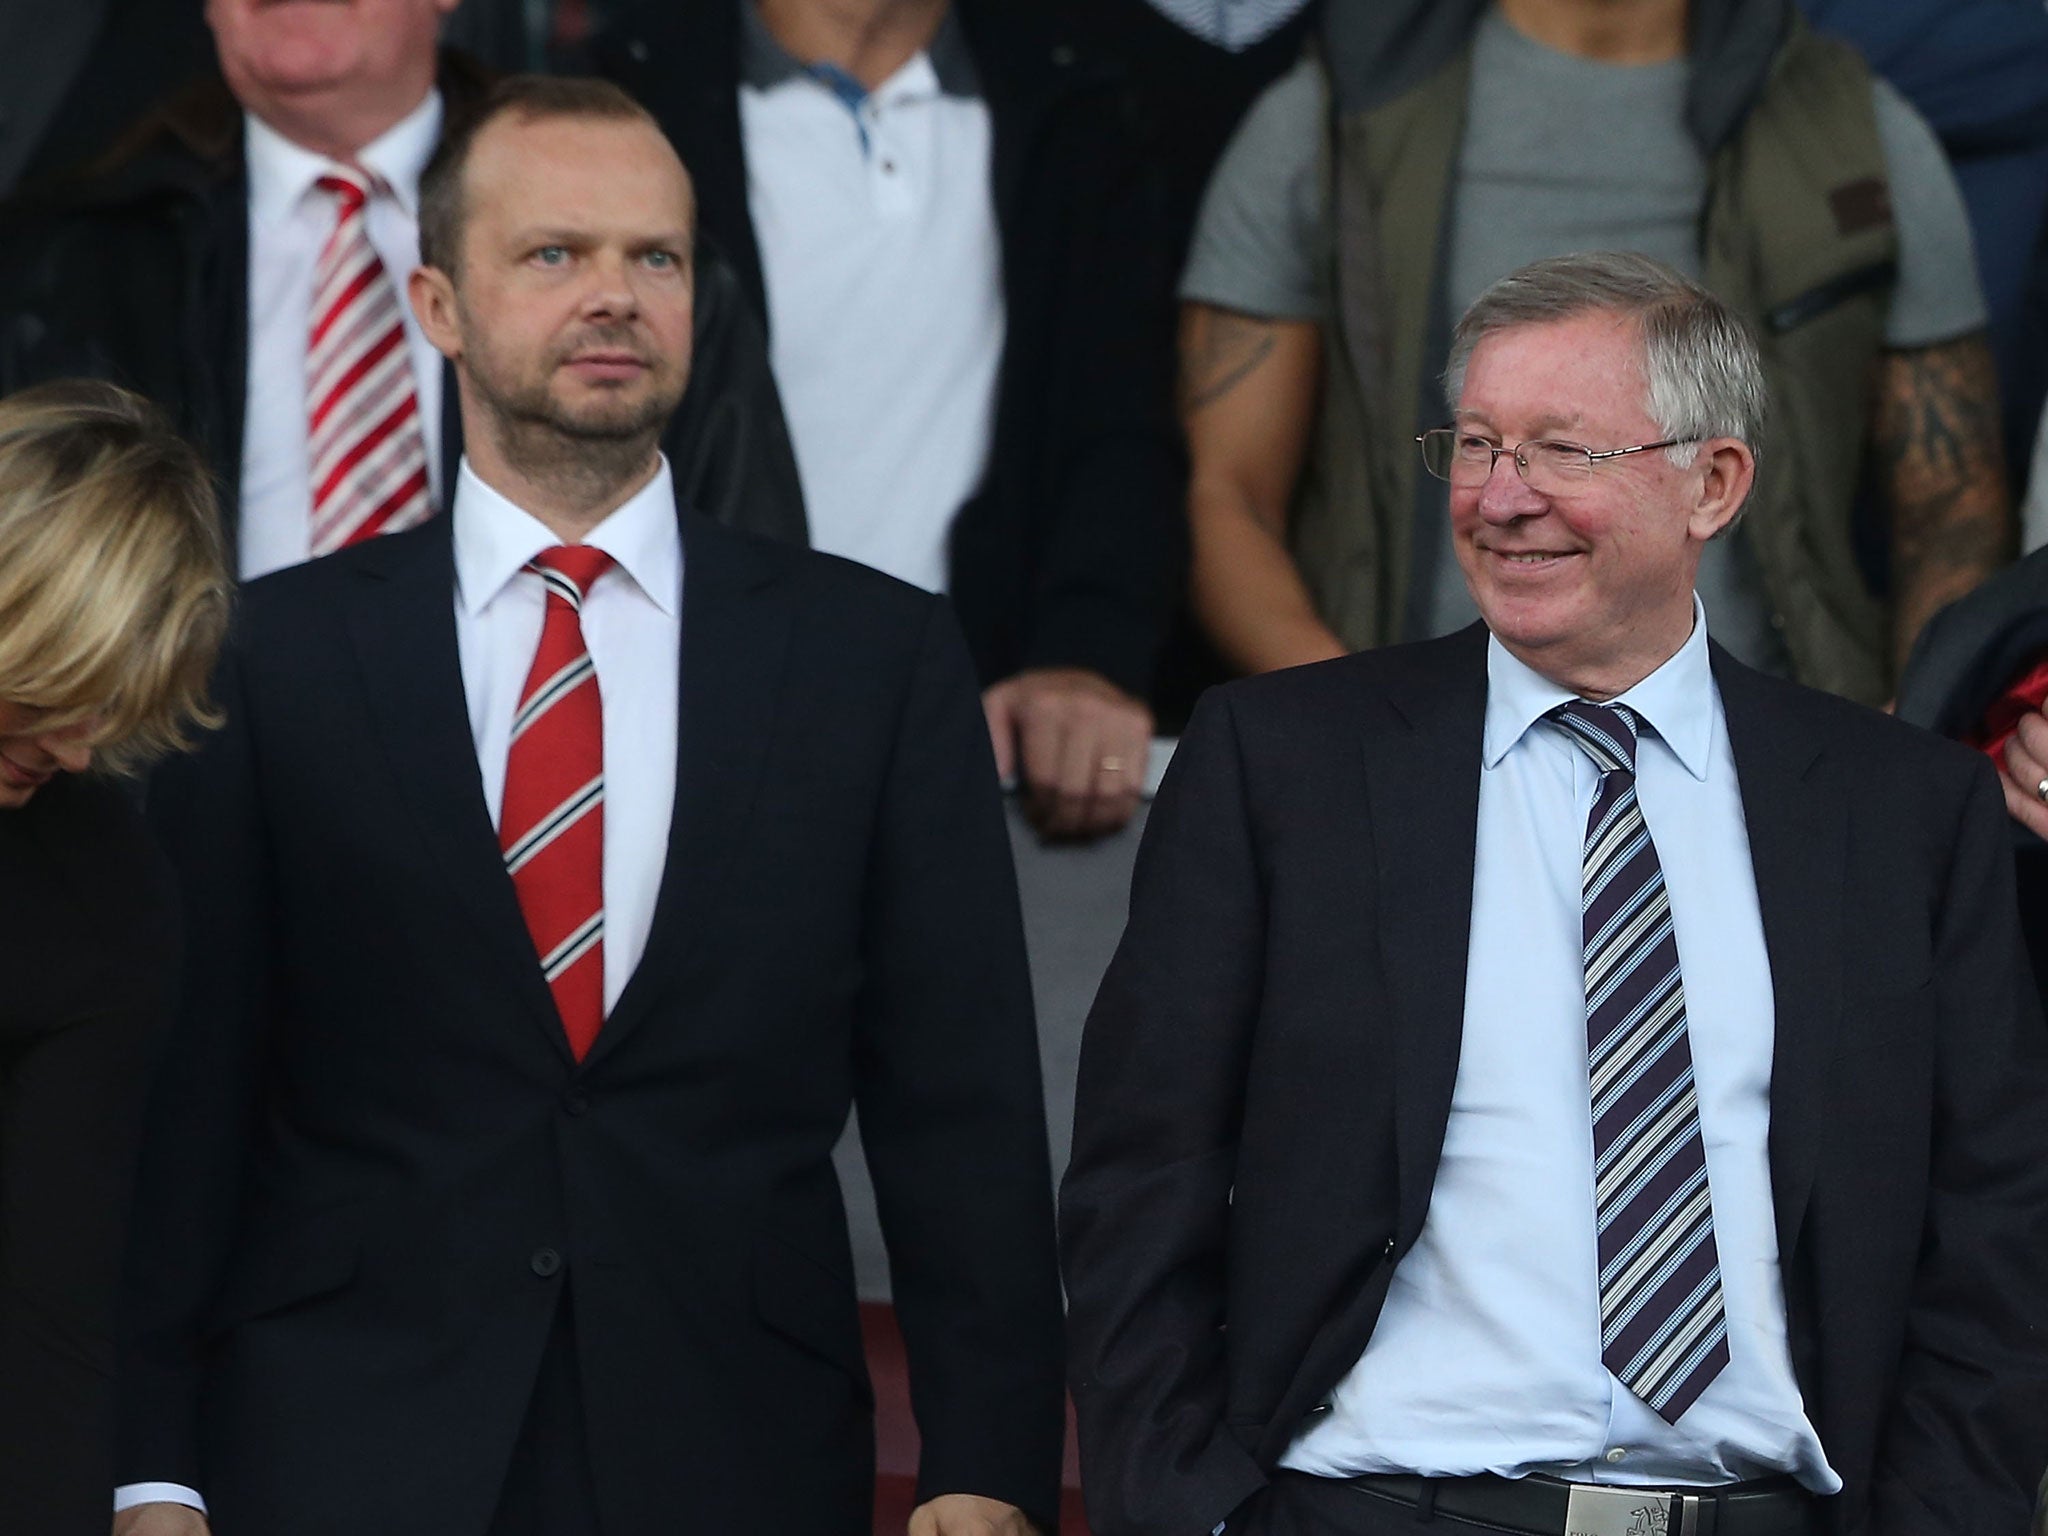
(1796, 235)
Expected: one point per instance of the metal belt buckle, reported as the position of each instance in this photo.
(1609, 1510)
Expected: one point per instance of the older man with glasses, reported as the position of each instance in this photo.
(1557, 1079)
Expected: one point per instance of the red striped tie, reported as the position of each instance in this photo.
(364, 447)
(552, 826)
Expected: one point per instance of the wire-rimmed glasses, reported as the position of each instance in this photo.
(1548, 466)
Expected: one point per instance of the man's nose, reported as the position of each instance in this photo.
(610, 291)
(1506, 495)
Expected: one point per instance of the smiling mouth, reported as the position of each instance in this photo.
(19, 776)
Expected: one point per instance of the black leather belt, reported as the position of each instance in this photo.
(1538, 1506)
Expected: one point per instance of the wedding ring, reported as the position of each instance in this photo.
(2041, 791)
(1116, 765)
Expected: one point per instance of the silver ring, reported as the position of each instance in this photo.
(1116, 765)
(2041, 791)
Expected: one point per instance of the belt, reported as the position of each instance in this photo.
(1547, 1506)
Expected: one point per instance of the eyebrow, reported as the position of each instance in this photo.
(1543, 425)
(544, 235)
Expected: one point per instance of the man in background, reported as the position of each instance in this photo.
(241, 261)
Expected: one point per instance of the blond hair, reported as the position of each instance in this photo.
(114, 595)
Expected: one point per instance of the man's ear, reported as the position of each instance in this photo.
(433, 304)
(1727, 472)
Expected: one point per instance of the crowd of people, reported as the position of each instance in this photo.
(534, 533)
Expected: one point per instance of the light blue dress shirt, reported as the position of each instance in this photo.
(1486, 1357)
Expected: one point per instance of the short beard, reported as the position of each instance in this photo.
(589, 463)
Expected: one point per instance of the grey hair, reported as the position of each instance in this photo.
(1705, 376)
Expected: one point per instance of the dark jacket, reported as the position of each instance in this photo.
(1268, 1073)
(373, 1165)
(137, 271)
(1069, 554)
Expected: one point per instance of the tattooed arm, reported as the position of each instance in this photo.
(1247, 402)
(1935, 435)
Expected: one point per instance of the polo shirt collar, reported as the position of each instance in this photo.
(765, 63)
(281, 173)
(494, 539)
(1676, 701)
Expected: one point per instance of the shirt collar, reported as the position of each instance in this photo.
(494, 539)
(281, 172)
(1676, 700)
(945, 68)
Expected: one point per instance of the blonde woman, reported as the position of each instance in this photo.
(113, 599)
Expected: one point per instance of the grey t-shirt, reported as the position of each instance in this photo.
(1561, 153)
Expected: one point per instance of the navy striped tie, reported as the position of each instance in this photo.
(1663, 1329)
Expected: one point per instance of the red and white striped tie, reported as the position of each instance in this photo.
(552, 825)
(364, 446)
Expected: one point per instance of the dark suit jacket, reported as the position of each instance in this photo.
(138, 271)
(74, 77)
(372, 1164)
(1266, 1080)
(1070, 552)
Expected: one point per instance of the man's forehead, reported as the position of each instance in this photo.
(538, 170)
(1554, 374)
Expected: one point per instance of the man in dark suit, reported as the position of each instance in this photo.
(939, 211)
(558, 883)
(1557, 1079)
(182, 265)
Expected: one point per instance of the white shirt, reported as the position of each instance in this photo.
(883, 267)
(290, 220)
(1230, 24)
(632, 627)
(1486, 1357)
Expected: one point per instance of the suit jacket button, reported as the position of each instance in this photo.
(577, 1104)
(545, 1262)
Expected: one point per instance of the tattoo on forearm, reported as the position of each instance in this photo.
(1936, 438)
(1226, 350)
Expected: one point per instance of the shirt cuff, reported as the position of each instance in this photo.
(128, 1495)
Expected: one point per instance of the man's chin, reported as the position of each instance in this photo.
(613, 419)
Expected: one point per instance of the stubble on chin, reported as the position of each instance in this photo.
(586, 452)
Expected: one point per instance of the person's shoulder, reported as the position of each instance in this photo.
(297, 596)
(825, 588)
(1878, 742)
(1413, 678)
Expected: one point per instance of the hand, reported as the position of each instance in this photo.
(1077, 745)
(968, 1514)
(2026, 765)
(160, 1520)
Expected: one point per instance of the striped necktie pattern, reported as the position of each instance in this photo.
(551, 829)
(366, 451)
(1663, 1327)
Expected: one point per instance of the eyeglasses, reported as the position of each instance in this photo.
(1546, 467)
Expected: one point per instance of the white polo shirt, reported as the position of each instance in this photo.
(883, 266)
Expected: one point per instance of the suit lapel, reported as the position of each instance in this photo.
(1422, 761)
(735, 636)
(401, 620)
(1798, 830)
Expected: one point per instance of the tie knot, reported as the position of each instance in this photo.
(1607, 732)
(350, 189)
(569, 569)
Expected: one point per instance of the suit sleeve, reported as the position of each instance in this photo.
(202, 1106)
(1967, 1436)
(1146, 1202)
(952, 1114)
(1115, 544)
